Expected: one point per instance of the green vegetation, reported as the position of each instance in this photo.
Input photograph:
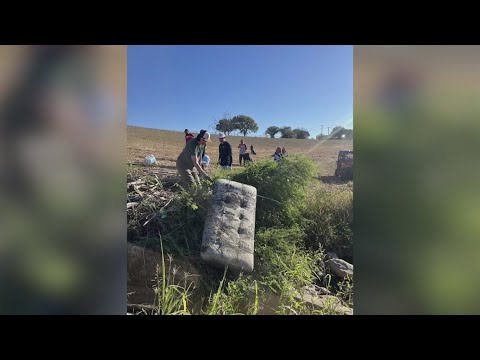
(297, 220)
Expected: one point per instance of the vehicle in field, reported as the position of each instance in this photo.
(344, 168)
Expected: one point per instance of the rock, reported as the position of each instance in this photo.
(316, 290)
(311, 295)
(228, 235)
(331, 255)
(340, 268)
(323, 291)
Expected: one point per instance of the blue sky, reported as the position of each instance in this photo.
(177, 87)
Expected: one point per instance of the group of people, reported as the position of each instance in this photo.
(225, 151)
(195, 152)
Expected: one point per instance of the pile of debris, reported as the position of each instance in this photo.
(149, 193)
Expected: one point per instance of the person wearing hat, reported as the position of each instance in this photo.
(189, 162)
(188, 136)
(225, 153)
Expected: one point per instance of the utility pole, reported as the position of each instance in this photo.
(321, 131)
(328, 134)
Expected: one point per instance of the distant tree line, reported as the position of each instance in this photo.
(287, 132)
(245, 124)
(338, 133)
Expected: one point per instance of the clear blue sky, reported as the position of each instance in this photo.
(178, 87)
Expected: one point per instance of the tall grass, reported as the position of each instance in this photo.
(329, 219)
(170, 298)
(237, 297)
(282, 261)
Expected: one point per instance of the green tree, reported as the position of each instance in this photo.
(272, 131)
(301, 133)
(339, 133)
(287, 132)
(244, 124)
(336, 133)
(225, 125)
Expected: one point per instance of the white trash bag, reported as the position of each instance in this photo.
(150, 160)
(206, 160)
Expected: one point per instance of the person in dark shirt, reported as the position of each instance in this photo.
(225, 157)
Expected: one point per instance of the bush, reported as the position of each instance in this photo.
(281, 189)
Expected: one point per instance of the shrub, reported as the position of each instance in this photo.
(281, 189)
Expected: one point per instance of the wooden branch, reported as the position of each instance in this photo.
(159, 211)
(133, 308)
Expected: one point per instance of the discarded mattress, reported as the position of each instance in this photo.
(228, 235)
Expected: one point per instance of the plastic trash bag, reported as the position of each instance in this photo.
(150, 160)
(206, 160)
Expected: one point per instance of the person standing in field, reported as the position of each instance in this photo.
(225, 153)
(243, 150)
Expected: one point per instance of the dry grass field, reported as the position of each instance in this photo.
(166, 145)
